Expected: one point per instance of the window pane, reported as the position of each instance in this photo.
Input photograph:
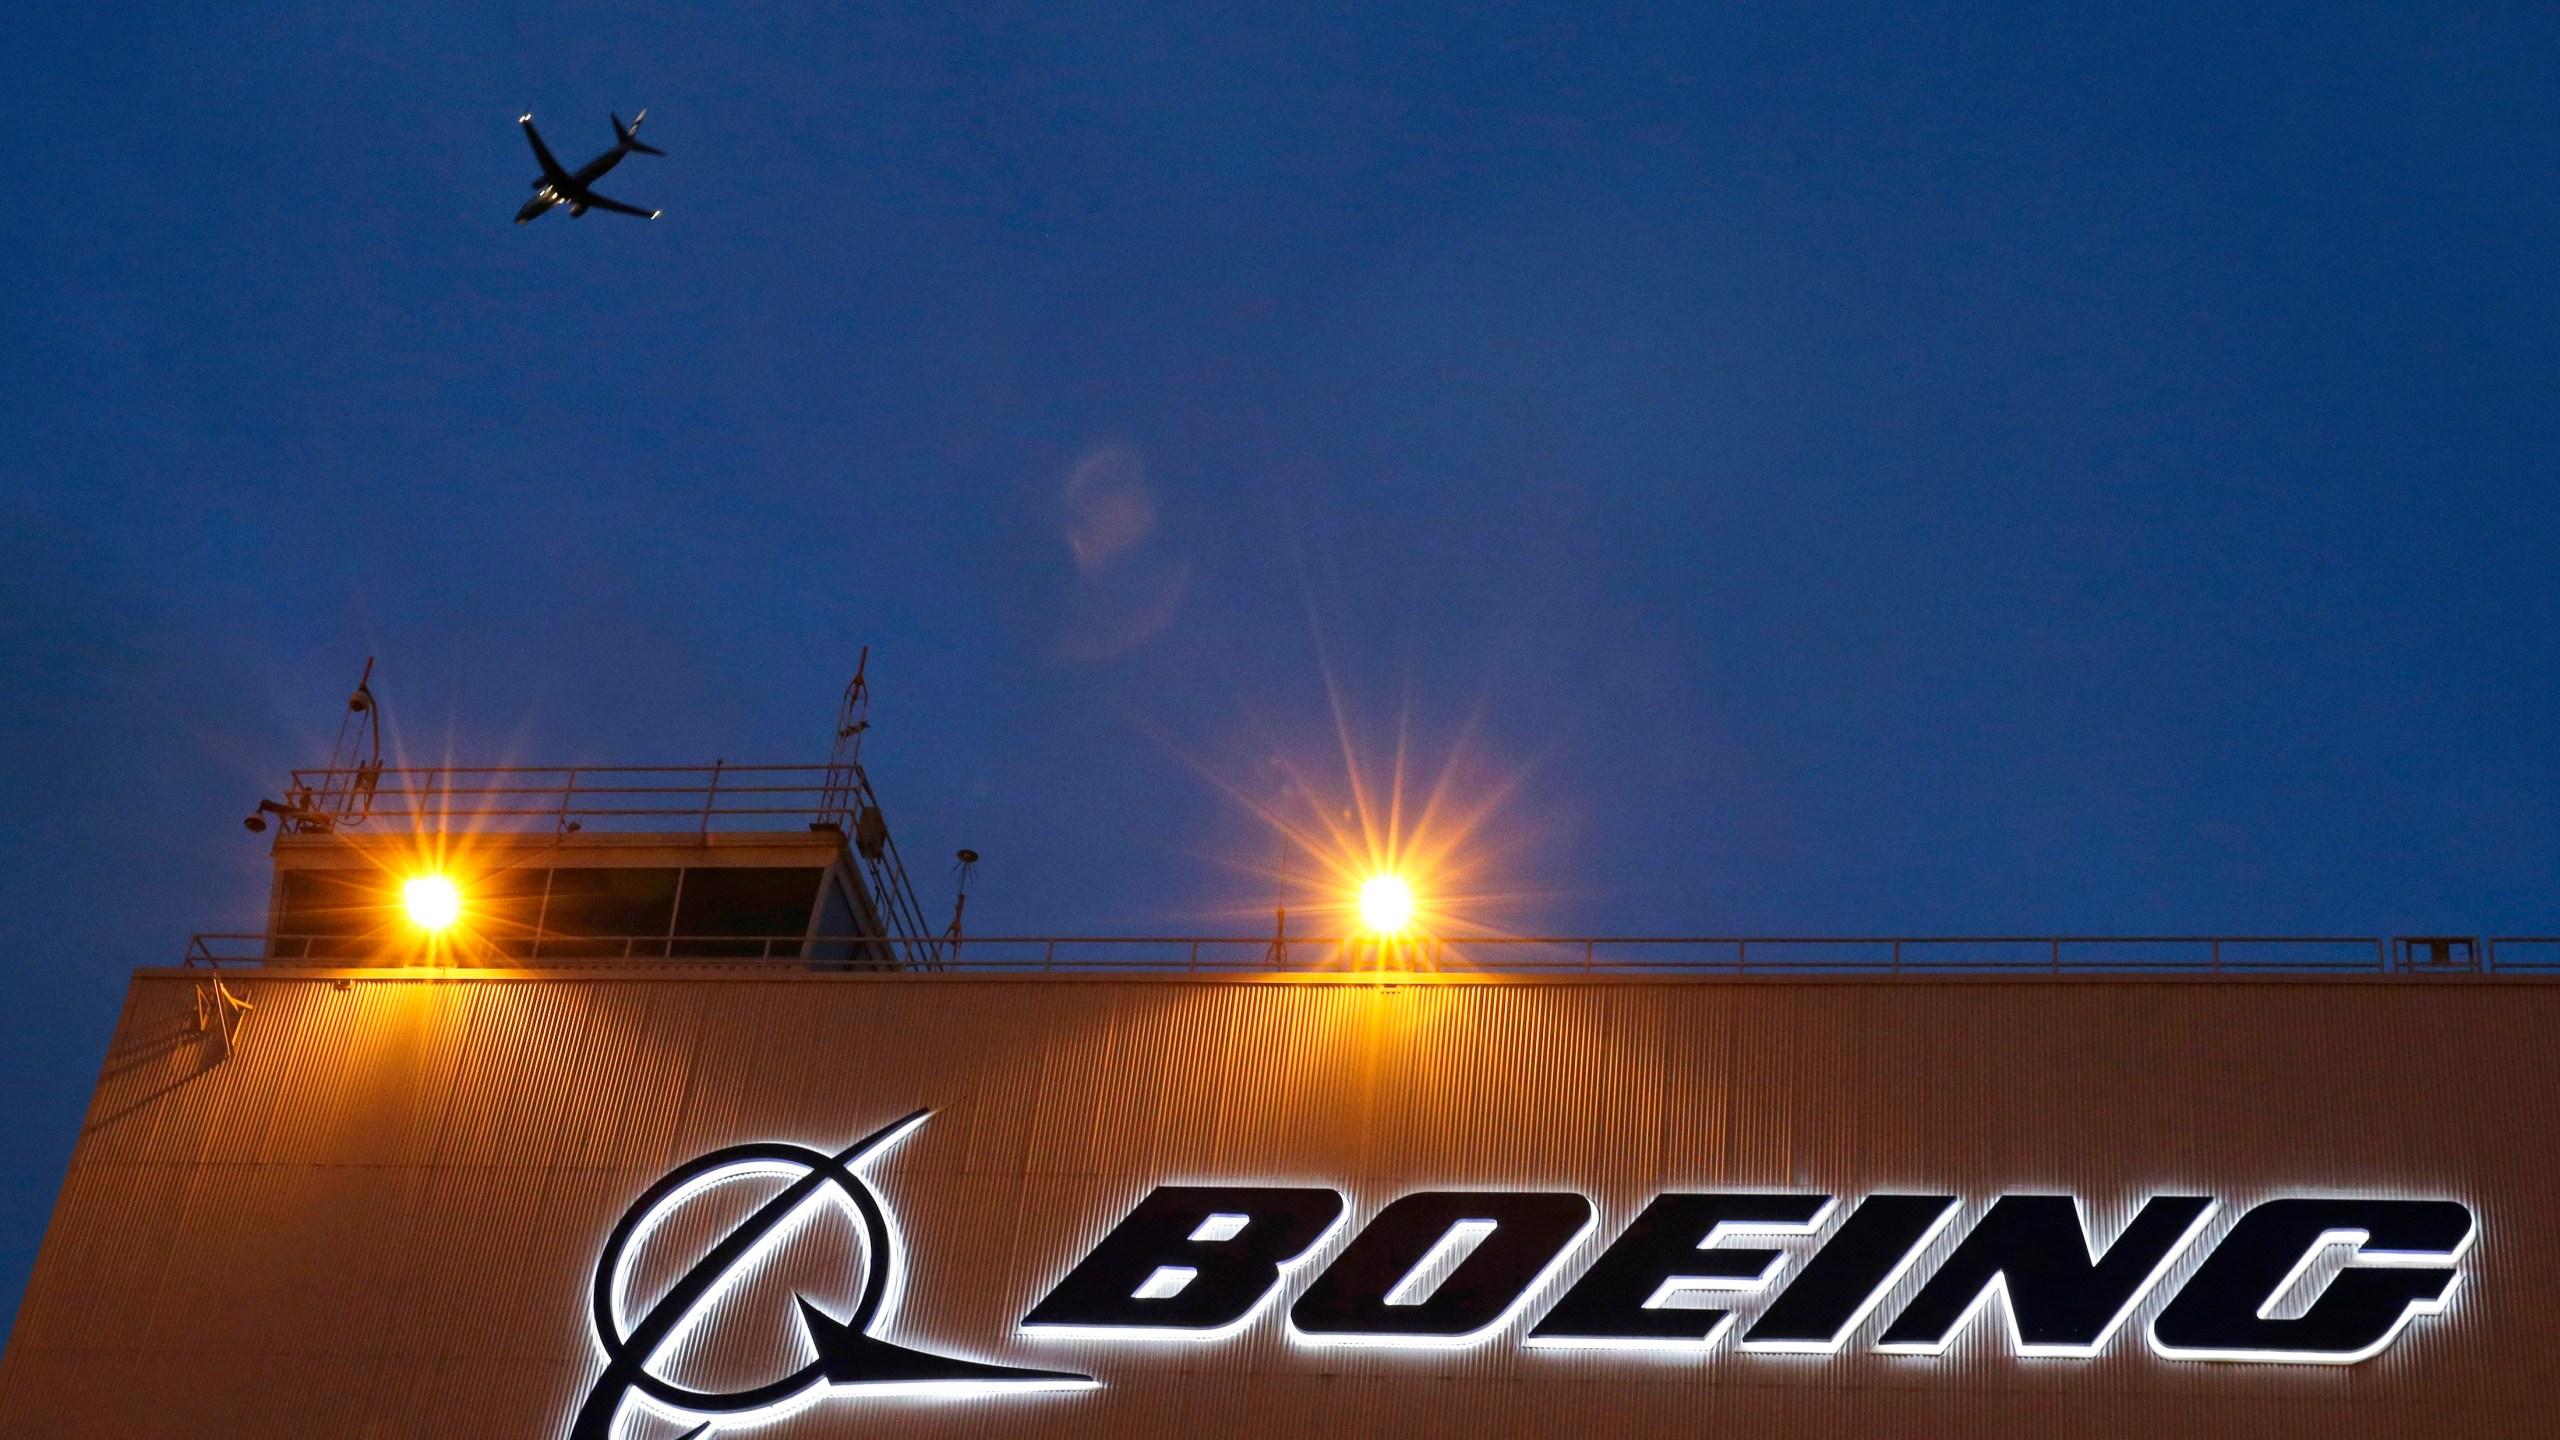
(760, 902)
(327, 914)
(592, 912)
(501, 908)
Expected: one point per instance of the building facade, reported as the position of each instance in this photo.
(601, 1199)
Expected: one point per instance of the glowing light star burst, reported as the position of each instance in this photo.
(1386, 904)
(1378, 858)
(434, 903)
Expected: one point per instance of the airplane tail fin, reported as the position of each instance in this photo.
(630, 134)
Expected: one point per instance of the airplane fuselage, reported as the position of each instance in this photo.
(595, 169)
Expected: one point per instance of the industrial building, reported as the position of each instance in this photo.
(636, 1105)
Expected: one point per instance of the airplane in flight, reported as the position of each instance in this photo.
(559, 187)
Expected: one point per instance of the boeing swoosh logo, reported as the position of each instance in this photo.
(849, 1357)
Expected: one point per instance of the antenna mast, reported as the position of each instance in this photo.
(962, 872)
(849, 803)
(344, 794)
(355, 762)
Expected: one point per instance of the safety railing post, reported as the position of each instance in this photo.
(710, 795)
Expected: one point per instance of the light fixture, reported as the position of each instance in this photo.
(433, 902)
(1386, 904)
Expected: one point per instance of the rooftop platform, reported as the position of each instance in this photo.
(2415, 958)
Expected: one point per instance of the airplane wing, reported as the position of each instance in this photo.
(551, 170)
(602, 203)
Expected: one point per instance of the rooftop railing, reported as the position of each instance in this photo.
(2126, 956)
(564, 797)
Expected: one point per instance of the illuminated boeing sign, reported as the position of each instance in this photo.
(2325, 1280)
(1453, 1267)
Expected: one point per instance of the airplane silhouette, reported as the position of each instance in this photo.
(559, 187)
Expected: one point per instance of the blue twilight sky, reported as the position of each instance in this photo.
(1845, 468)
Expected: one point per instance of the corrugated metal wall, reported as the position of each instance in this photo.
(381, 1215)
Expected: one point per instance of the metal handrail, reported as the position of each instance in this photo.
(217, 949)
(565, 798)
(562, 794)
(1853, 955)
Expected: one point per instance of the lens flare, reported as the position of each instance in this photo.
(433, 902)
(1378, 858)
(1386, 904)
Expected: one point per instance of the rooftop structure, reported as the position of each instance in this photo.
(491, 865)
(794, 865)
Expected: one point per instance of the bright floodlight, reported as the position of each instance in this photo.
(1386, 904)
(433, 902)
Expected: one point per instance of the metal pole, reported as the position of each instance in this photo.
(711, 793)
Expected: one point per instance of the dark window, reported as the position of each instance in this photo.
(563, 914)
(503, 907)
(765, 903)
(594, 912)
(324, 914)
